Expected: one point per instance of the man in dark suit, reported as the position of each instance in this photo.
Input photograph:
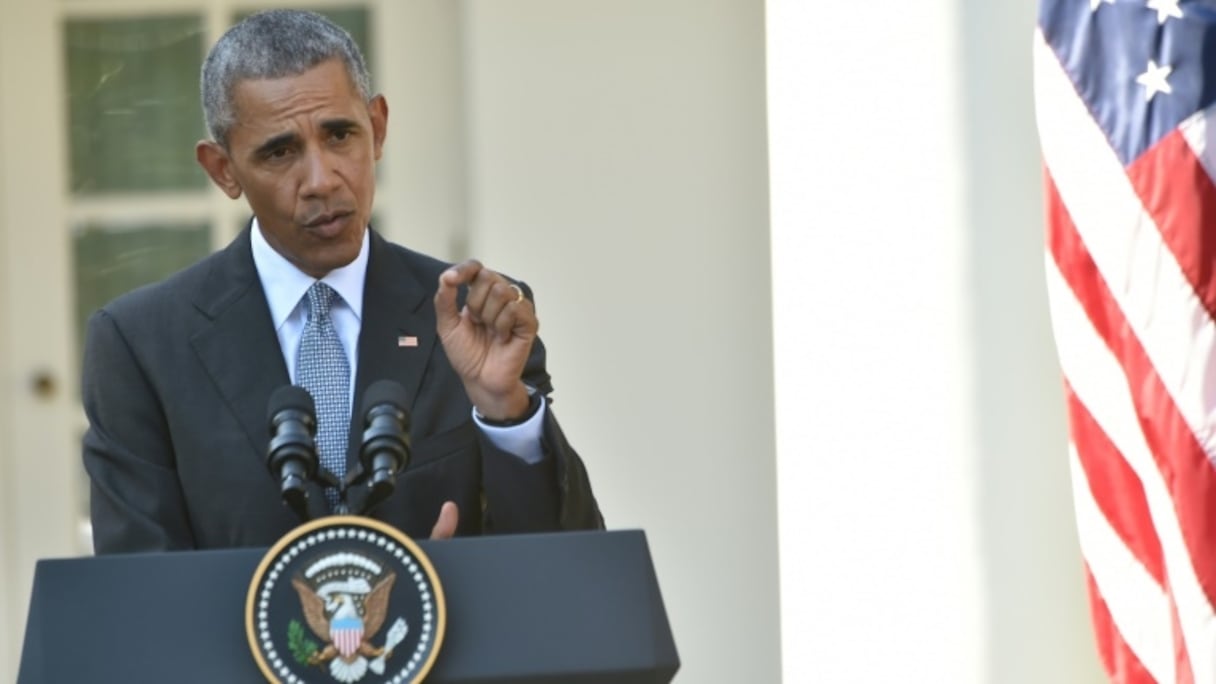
(177, 375)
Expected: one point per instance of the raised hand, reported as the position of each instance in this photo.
(489, 339)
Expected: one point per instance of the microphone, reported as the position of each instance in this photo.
(292, 456)
(386, 442)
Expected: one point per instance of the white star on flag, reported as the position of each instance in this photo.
(1093, 4)
(1154, 80)
(1165, 9)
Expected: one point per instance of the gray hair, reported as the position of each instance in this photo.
(273, 44)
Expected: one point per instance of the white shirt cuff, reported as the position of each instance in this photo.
(521, 441)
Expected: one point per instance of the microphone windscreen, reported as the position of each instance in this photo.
(385, 392)
(290, 397)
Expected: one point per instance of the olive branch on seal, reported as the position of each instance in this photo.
(302, 648)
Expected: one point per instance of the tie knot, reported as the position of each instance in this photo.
(320, 296)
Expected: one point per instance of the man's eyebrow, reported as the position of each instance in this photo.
(332, 125)
(280, 140)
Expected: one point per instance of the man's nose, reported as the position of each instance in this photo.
(320, 175)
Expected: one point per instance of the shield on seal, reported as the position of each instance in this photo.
(347, 634)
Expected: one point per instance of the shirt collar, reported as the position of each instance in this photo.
(285, 285)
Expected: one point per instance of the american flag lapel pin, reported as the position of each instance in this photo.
(407, 341)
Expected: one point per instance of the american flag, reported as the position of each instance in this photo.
(1124, 92)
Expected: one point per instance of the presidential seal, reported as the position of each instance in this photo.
(345, 599)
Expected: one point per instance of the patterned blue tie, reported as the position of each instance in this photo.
(322, 369)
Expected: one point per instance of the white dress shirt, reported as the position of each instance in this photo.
(286, 288)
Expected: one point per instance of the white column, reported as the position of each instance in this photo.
(925, 527)
(617, 163)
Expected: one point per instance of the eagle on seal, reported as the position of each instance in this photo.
(346, 618)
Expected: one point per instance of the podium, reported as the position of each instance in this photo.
(571, 607)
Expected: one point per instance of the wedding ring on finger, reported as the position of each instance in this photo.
(519, 292)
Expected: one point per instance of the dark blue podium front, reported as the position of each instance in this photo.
(575, 607)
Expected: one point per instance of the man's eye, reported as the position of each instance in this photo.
(341, 134)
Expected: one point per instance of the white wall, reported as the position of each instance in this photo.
(616, 158)
(926, 531)
(421, 183)
(1037, 623)
(10, 619)
(617, 162)
(37, 488)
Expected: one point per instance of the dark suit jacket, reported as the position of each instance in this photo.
(176, 380)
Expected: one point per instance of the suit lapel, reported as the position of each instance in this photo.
(396, 334)
(238, 345)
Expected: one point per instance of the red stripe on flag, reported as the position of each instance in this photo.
(1182, 663)
(1116, 489)
(1121, 665)
(1180, 459)
(1178, 193)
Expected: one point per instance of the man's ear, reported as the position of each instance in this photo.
(215, 161)
(377, 109)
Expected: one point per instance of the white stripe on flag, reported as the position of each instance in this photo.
(1195, 130)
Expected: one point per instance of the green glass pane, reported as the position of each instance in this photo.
(112, 260)
(353, 19)
(133, 103)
